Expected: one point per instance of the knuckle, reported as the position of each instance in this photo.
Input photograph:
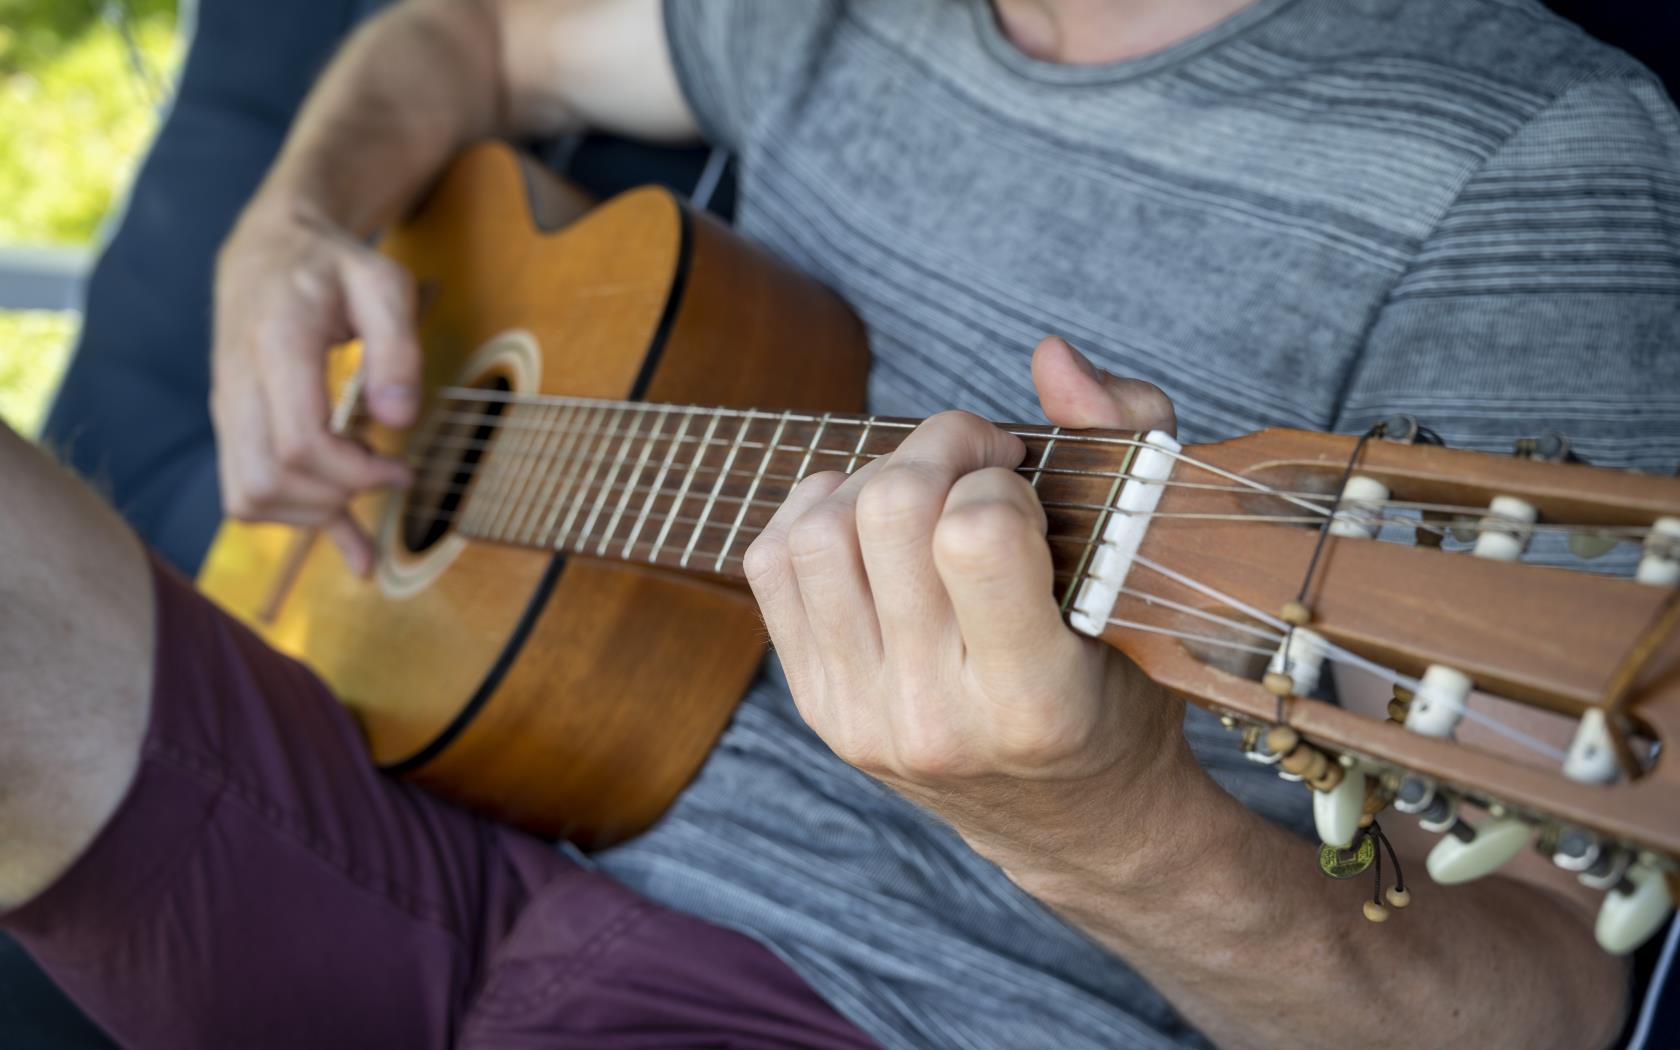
(928, 750)
(972, 537)
(253, 494)
(765, 561)
(818, 534)
(296, 448)
(898, 495)
(954, 422)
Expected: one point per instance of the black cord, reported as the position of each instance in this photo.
(1318, 549)
(1376, 894)
(1399, 876)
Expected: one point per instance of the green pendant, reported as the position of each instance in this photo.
(1346, 863)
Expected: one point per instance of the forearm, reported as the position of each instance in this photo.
(1228, 916)
(404, 94)
(429, 76)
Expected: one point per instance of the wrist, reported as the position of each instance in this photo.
(1163, 842)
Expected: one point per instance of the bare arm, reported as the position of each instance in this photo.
(911, 606)
(407, 91)
(417, 83)
(1229, 917)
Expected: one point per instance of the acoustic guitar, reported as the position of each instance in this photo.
(618, 397)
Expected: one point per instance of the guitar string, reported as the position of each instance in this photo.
(1339, 654)
(427, 462)
(1336, 653)
(428, 491)
(1621, 532)
(867, 422)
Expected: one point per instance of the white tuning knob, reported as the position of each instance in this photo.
(1302, 653)
(1439, 701)
(1359, 511)
(1591, 758)
(1336, 812)
(1468, 852)
(1660, 567)
(1505, 531)
(1632, 912)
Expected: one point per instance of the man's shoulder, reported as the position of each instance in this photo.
(1486, 66)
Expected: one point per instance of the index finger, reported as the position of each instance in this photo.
(294, 388)
(897, 512)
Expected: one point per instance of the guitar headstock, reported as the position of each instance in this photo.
(1473, 586)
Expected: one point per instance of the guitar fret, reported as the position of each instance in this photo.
(576, 506)
(752, 490)
(1044, 457)
(711, 499)
(492, 490)
(658, 483)
(624, 444)
(811, 449)
(531, 513)
(851, 464)
(520, 479)
(635, 477)
(1080, 570)
(688, 481)
(568, 476)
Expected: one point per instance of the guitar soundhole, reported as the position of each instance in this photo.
(446, 469)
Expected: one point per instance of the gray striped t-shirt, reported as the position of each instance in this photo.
(1316, 214)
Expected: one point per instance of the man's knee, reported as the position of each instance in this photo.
(75, 666)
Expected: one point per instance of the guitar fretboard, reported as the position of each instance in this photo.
(690, 487)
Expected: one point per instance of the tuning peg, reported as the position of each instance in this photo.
(1359, 511)
(1469, 852)
(1633, 910)
(1295, 668)
(1439, 702)
(1337, 812)
(1575, 850)
(1406, 430)
(1660, 566)
(1591, 758)
(1505, 531)
(1552, 447)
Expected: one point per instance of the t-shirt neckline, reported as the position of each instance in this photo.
(1004, 51)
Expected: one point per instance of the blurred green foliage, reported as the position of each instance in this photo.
(81, 86)
(33, 348)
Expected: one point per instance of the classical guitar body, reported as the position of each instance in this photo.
(565, 694)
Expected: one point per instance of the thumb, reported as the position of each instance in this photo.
(1074, 393)
(381, 301)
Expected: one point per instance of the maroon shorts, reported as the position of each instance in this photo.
(262, 885)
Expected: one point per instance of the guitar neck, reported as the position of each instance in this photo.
(689, 487)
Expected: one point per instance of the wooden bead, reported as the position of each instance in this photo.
(1375, 912)
(1278, 684)
(1332, 775)
(1376, 800)
(1397, 710)
(1280, 740)
(1298, 760)
(1306, 762)
(1398, 898)
(1296, 613)
(1366, 820)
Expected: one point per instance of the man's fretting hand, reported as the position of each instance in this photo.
(911, 604)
